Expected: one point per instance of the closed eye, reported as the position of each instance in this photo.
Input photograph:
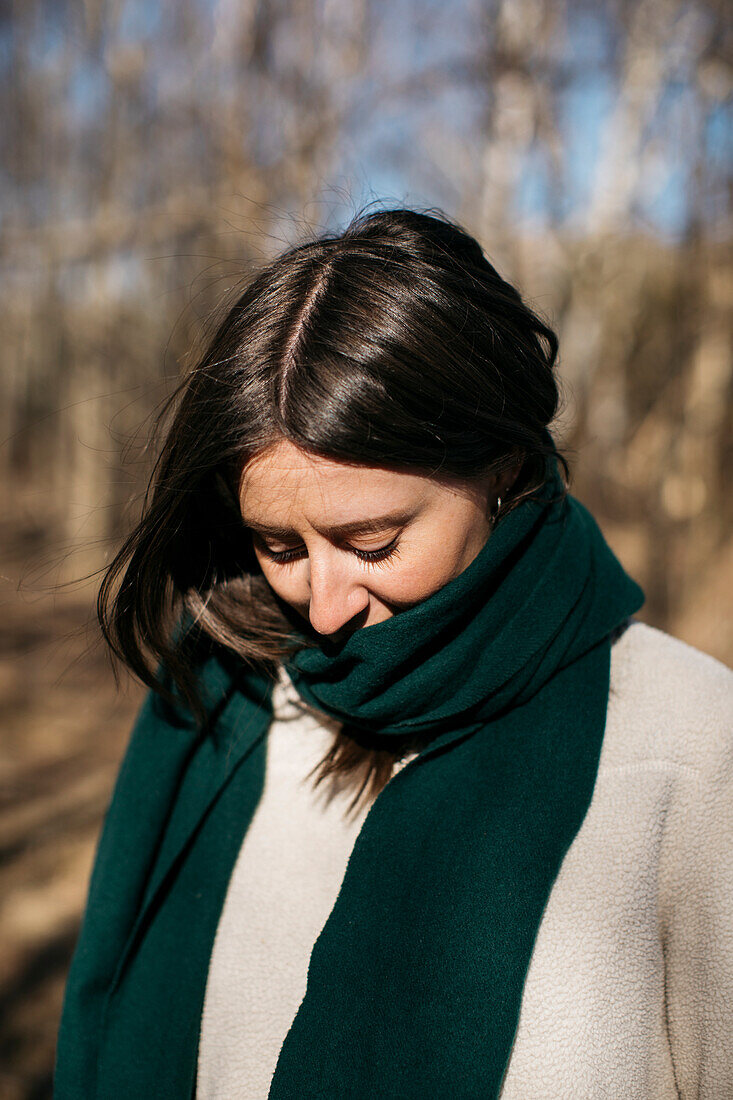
(371, 557)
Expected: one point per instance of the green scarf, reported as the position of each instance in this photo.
(415, 982)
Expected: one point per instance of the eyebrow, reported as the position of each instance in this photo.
(343, 530)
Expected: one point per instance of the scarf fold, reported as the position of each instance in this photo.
(415, 982)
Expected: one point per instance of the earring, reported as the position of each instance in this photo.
(495, 513)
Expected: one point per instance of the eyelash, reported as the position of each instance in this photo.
(369, 557)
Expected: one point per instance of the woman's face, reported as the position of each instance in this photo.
(349, 546)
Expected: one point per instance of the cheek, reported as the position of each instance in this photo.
(289, 583)
(416, 581)
(269, 570)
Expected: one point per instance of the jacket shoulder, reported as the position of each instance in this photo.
(668, 702)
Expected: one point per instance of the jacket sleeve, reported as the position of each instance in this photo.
(696, 906)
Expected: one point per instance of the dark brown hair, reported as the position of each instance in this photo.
(394, 343)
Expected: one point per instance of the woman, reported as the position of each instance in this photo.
(415, 807)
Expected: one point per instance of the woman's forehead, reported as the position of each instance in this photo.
(286, 480)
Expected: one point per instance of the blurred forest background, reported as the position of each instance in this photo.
(152, 152)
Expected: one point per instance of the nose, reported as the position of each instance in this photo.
(336, 597)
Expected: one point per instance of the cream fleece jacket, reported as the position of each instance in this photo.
(629, 992)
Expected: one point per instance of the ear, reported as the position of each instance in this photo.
(503, 482)
(498, 485)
